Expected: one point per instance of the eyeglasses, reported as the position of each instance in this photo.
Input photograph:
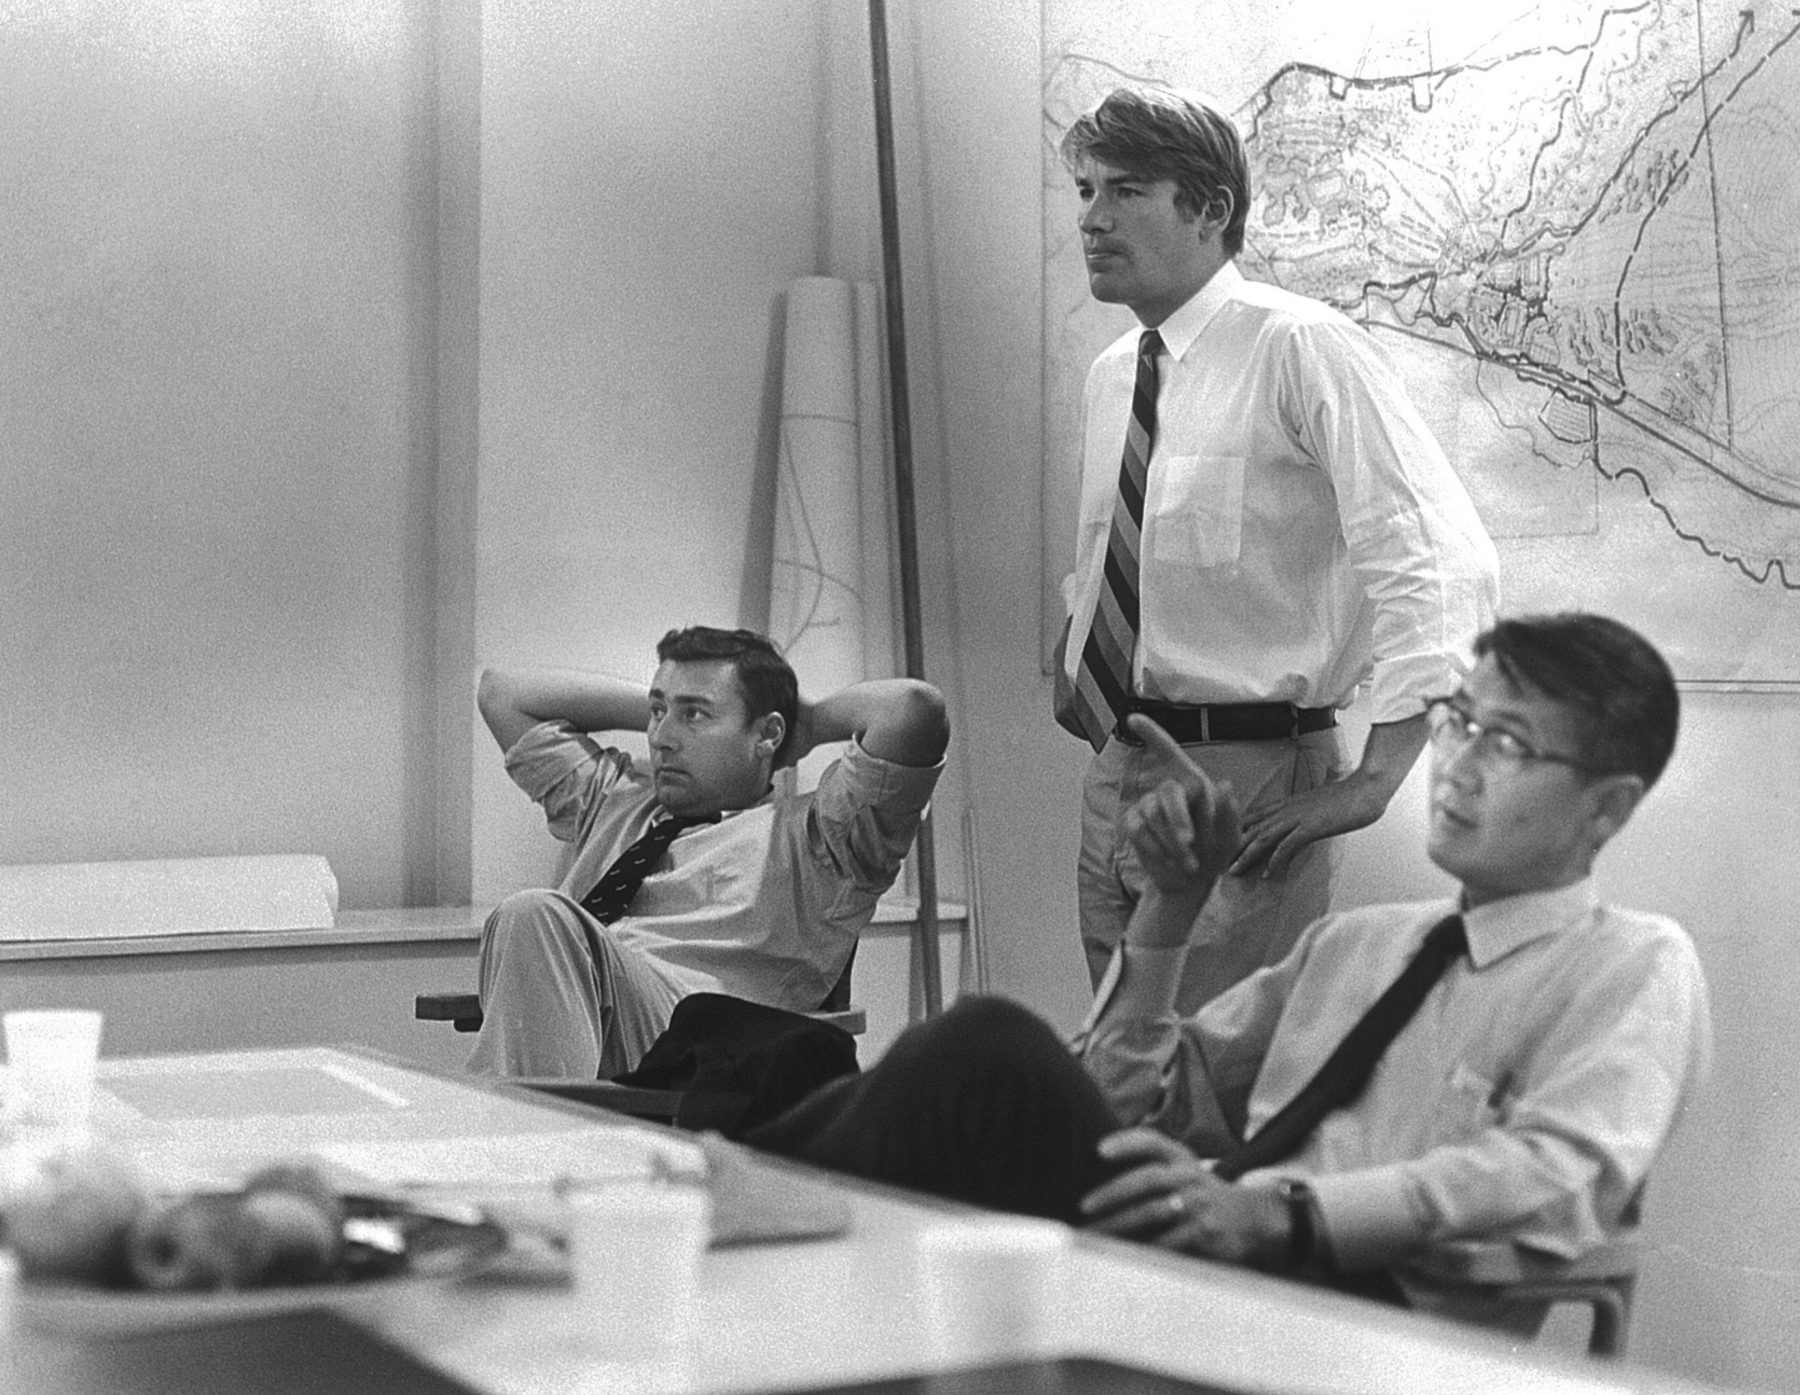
(1453, 729)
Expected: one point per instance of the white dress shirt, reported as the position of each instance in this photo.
(1302, 529)
(1526, 1099)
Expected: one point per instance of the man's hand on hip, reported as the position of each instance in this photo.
(1275, 836)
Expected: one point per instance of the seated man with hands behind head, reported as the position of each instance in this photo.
(1515, 1082)
(695, 875)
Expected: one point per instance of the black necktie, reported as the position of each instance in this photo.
(1103, 677)
(620, 882)
(1346, 1072)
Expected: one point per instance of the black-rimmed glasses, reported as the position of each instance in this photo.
(1496, 748)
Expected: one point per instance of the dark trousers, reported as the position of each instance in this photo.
(983, 1104)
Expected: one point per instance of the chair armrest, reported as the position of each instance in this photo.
(639, 1101)
(1495, 1262)
(463, 1010)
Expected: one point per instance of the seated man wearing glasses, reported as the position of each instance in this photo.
(1521, 1094)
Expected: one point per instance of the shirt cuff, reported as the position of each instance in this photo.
(1365, 1217)
(1401, 687)
(1155, 976)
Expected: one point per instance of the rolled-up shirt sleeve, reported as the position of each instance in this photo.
(866, 815)
(1413, 536)
(566, 773)
(1189, 1078)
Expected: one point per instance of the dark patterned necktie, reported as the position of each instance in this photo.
(620, 882)
(1103, 677)
(1345, 1074)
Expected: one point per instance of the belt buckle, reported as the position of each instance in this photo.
(1135, 707)
(1178, 730)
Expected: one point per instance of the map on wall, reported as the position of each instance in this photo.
(1574, 226)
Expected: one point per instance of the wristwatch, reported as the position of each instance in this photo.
(1302, 1232)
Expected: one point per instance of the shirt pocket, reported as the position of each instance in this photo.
(1197, 519)
(690, 891)
(1469, 1105)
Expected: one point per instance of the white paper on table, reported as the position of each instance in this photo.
(514, 1160)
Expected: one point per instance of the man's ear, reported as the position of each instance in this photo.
(772, 730)
(1215, 213)
(1612, 799)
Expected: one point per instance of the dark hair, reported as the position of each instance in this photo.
(1154, 133)
(1620, 688)
(764, 677)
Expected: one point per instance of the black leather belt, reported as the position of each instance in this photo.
(1197, 725)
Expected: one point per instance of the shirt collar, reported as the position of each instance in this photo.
(660, 815)
(1183, 327)
(1497, 928)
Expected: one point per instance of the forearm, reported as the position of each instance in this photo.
(1514, 1184)
(896, 719)
(1131, 1038)
(1157, 937)
(512, 701)
(1131, 1043)
(1138, 1053)
(1388, 756)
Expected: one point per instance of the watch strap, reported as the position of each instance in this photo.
(1302, 1245)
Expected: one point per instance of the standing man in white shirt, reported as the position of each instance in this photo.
(1281, 530)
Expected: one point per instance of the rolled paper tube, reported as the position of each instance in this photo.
(815, 603)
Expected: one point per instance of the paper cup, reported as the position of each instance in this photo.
(992, 1288)
(51, 1058)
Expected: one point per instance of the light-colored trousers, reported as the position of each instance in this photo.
(560, 996)
(1248, 921)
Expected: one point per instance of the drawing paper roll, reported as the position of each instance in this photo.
(815, 605)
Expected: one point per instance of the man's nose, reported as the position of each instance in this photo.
(1094, 218)
(1462, 767)
(662, 731)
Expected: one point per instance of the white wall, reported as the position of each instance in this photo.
(970, 127)
(212, 465)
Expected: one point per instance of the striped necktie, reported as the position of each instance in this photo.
(1103, 678)
(612, 894)
(1345, 1074)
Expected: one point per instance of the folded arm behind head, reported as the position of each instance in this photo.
(896, 719)
(514, 700)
